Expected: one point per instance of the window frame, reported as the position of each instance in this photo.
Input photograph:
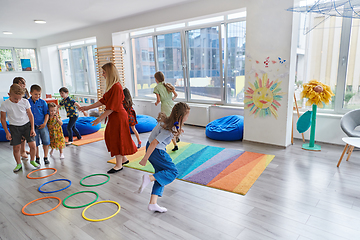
(183, 31)
(16, 61)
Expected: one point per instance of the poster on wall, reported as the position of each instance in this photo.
(9, 65)
(25, 64)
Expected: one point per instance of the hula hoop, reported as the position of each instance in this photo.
(35, 214)
(97, 196)
(28, 176)
(63, 179)
(94, 185)
(103, 219)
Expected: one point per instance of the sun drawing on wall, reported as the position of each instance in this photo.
(262, 97)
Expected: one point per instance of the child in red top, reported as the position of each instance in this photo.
(131, 113)
(117, 133)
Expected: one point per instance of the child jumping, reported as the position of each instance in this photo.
(165, 169)
(57, 140)
(164, 94)
(131, 113)
(71, 113)
(21, 124)
(40, 111)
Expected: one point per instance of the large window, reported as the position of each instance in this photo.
(329, 52)
(203, 59)
(18, 59)
(78, 68)
(169, 54)
(144, 66)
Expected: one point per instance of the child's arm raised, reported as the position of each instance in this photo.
(149, 151)
(3, 123)
(58, 120)
(157, 99)
(31, 118)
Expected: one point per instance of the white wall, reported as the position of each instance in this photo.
(51, 69)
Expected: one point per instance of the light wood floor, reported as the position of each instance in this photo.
(300, 195)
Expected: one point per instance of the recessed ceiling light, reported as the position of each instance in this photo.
(6, 32)
(40, 21)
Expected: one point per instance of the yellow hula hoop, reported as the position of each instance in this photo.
(103, 219)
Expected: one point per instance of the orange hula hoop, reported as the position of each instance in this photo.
(28, 176)
(35, 214)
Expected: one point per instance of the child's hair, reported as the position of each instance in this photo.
(161, 78)
(16, 89)
(128, 98)
(63, 89)
(51, 105)
(19, 80)
(177, 114)
(112, 75)
(35, 87)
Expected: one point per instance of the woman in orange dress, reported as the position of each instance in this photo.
(117, 133)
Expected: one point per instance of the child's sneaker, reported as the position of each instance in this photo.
(62, 156)
(46, 161)
(68, 143)
(139, 144)
(17, 168)
(34, 164)
(37, 160)
(175, 148)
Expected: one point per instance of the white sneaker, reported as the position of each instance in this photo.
(51, 152)
(62, 156)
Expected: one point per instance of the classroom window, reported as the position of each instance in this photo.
(194, 59)
(78, 69)
(18, 59)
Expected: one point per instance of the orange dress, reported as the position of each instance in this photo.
(117, 133)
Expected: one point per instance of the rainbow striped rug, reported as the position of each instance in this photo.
(223, 168)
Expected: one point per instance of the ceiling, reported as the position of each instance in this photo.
(18, 16)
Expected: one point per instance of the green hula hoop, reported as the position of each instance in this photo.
(97, 196)
(94, 185)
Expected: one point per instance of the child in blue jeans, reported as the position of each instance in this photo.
(160, 137)
(71, 112)
(39, 109)
(21, 124)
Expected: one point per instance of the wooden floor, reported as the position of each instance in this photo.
(300, 195)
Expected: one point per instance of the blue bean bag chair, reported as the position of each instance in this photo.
(3, 134)
(83, 124)
(145, 123)
(228, 128)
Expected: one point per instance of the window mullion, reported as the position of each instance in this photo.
(343, 60)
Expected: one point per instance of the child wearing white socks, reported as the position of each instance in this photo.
(160, 137)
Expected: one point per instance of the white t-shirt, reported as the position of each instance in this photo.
(163, 136)
(16, 112)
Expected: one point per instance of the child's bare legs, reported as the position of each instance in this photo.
(16, 152)
(46, 150)
(32, 146)
(61, 153)
(22, 150)
(175, 144)
(137, 135)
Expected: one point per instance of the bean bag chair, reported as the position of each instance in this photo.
(145, 123)
(228, 128)
(3, 134)
(83, 124)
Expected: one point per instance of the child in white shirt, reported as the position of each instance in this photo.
(21, 124)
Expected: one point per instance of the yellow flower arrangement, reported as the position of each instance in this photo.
(317, 93)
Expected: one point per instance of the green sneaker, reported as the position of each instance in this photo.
(17, 168)
(34, 164)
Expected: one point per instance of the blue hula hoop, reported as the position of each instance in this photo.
(63, 179)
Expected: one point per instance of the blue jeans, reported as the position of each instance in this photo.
(165, 170)
(42, 134)
(72, 127)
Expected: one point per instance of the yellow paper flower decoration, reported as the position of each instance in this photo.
(317, 93)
